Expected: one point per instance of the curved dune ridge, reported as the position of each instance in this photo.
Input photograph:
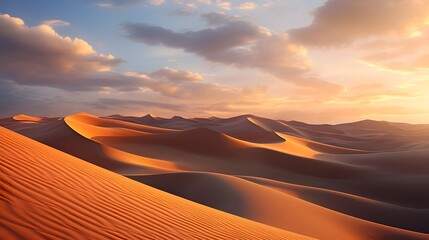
(270, 206)
(368, 135)
(22, 117)
(347, 181)
(106, 123)
(58, 134)
(186, 149)
(357, 206)
(308, 148)
(48, 194)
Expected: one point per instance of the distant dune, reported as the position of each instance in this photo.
(281, 179)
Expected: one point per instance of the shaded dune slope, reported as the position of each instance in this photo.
(270, 206)
(58, 134)
(222, 149)
(51, 195)
(368, 135)
(361, 180)
(353, 205)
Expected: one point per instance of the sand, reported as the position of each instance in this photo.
(363, 180)
(48, 194)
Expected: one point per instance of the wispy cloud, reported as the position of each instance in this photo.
(224, 5)
(237, 42)
(56, 23)
(128, 3)
(247, 6)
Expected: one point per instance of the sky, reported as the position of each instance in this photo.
(318, 61)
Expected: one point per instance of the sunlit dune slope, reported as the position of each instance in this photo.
(308, 148)
(111, 144)
(57, 134)
(208, 150)
(246, 127)
(22, 117)
(204, 149)
(23, 121)
(85, 118)
(51, 195)
(361, 180)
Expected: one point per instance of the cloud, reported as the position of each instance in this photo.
(394, 62)
(111, 103)
(128, 3)
(409, 54)
(247, 6)
(188, 5)
(182, 85)
(207, 42)
(340, 22)
(40, 101)
(15, 98)
(224, 5)
(176, 75)
(56, 23)
(393, 32)
(221, 19)
(237, 42)
(39, 56)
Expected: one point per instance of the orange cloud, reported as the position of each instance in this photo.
(176, 75)
(224, 5)
(38, 54)
(406, 54)
(247, 6)
(340, 22)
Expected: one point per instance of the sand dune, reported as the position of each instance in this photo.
(269, 206)
(57, 134)
(175, 122)
(106, 123)
(362, 180)
(246, 128)
(48, 194)
(310, 149)
(221, 153)
(368, 135)
(22, 117)
(361, 207)
(22, 121)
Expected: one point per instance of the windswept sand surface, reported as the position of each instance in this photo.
(362, 180)
(48, 194)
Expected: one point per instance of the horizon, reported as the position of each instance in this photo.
(323, 61)
(214, 119)
(208, 117)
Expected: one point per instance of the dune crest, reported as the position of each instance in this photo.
(360, 180)
(55, 195)
(23, 117)
(270, 206)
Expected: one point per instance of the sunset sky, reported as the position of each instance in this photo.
(314, 61)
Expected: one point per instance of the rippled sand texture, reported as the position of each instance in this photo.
(48, 194)
(237, 178)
